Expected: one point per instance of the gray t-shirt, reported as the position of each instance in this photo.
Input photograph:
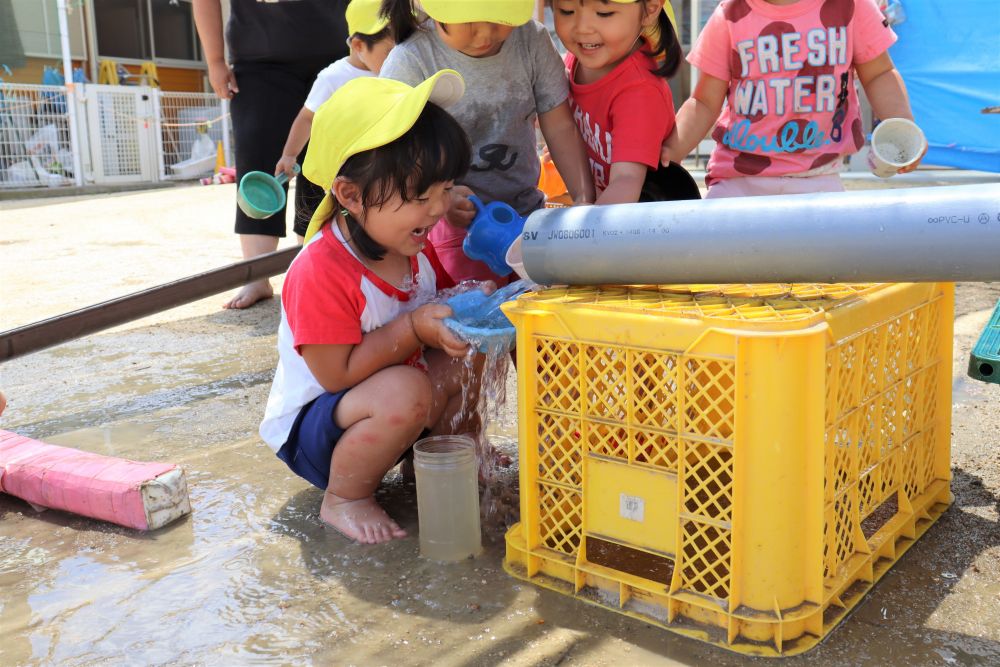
(503, 94)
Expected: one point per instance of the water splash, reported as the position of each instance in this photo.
(484, 395)
(496, 500)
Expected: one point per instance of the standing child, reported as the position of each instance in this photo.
(275, 51)
(618, 91)
(513, 74)
(361, 372)
(786, 69)
(370, 43)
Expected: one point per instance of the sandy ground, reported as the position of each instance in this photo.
(253, 577)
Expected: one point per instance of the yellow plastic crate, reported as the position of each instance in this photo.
(736, 463)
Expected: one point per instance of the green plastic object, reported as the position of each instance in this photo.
(984, 362)
(260, 194)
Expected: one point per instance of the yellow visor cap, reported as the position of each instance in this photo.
(363, 114)
(363, 18)
(504, 12)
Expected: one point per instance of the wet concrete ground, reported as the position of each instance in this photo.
(253, 577)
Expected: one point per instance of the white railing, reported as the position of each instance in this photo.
(128, 134)
(188, 122)
(34, 137)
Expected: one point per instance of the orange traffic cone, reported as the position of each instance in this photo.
(551, 183)
(220, 157)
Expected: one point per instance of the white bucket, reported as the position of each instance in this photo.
(896, 143)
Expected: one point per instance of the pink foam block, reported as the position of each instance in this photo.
(101, 487)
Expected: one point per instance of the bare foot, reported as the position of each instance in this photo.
(500, 458)
(250, 294)
(489, 454)
(489, 461)
(361, 520)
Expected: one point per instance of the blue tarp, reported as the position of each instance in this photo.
(949, 55)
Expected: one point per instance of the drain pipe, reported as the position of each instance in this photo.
(934, 234)
(71, 99)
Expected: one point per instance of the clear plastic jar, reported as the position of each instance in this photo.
(447, 497)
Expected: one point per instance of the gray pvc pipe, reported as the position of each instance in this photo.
(942, 234)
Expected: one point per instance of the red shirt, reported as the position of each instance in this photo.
(331, 298)
(623, 117)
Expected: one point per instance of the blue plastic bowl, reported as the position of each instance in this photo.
(477, 318)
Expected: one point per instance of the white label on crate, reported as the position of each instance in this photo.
(631, 507)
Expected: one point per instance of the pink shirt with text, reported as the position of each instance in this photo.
(791, 106)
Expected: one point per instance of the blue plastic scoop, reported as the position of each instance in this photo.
(477, 318)
(260, 194)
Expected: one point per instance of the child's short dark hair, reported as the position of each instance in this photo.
(434, 150)
(371, 40)
(402, 18)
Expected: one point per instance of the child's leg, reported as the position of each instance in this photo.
(382, 416)
(456, 401)
(455, 393)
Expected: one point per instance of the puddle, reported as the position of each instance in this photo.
(965, 390)
(143, 404)
(106, 440)
(252, 576)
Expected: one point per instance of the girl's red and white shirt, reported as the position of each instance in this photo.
(331, 298)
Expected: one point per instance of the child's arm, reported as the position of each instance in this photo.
(297, 138)
(695, 118)
(625, 183)
(884, 87)
(338, 367)
(568, 152)
(886, 92)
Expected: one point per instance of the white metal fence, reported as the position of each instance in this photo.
(127, 134)
(190, 122)
(34, 137)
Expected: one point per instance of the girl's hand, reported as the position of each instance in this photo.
(666, 155)
(285, 164)
(668, 150)
(222, 79)
(462, 210)
(430, 329)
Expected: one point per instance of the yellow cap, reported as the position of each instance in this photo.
(667, 7)
(504, 12)
(363, 114)
(363, 17)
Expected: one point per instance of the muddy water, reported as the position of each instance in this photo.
(253, 577)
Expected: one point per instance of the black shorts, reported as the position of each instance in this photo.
(271, 96)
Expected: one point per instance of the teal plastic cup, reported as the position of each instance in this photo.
(260, 194)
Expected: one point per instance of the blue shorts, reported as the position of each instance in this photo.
(310, 443)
